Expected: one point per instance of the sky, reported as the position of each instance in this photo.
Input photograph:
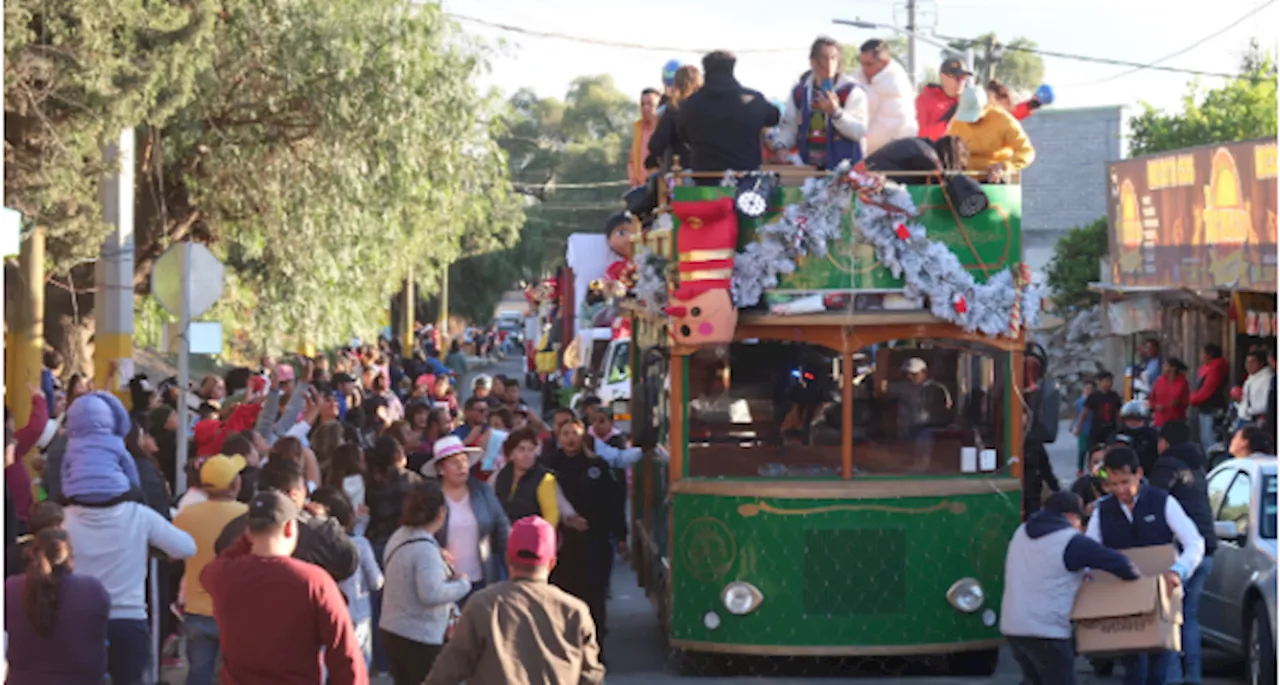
(1130, 30)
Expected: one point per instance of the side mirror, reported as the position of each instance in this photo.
(1227, 530)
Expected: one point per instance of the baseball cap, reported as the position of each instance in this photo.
(669, 72)
(1064, 502)
(270, 508)
(954, 67)
(426, 379)
(914, 365)
(343, 377)
(532, 541)
(220, 470)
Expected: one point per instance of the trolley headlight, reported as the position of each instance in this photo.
(741, 598)
(966, 595)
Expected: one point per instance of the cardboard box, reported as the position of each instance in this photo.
(1114, 616)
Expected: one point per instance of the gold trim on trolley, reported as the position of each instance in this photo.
(753, 508)
(705, 275)
(837, 650)
(707, 255)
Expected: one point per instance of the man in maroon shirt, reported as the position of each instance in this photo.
(276, 614)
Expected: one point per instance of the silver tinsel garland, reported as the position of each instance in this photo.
(1001, 306)
(804, 228)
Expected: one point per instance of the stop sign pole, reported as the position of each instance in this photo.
(184, 367)
(173, 277)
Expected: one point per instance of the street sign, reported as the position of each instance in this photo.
(206, 276)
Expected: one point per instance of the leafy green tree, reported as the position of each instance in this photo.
(1243, 108)
(321, 147)
(554, 148)
(1012, 64)
(1077, 260)
(76, 74)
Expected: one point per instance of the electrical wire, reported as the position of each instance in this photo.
(614, 44)
(1138, 66)
(1189, 48)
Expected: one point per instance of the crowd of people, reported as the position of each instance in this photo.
(709, 122)
(1139, 460)
(343, 516)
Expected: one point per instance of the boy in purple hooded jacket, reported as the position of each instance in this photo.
(97, 469)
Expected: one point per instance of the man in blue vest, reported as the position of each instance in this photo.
(1138, 515)
(826, 117)
(1042, 572)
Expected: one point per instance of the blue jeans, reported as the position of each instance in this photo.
(1150, 668)
(129, 649)
(1206, 421)
(202, 648)
(1188, 667)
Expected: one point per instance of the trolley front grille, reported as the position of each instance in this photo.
(855, 571)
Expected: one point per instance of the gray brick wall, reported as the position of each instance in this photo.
(1067, 184)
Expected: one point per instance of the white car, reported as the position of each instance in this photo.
(1238, 607)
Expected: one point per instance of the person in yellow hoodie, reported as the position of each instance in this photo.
(997, 143)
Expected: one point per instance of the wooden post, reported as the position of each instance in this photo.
(846, 418)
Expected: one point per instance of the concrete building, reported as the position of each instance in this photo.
(1067, 184)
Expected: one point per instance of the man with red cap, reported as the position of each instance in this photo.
(523, 630)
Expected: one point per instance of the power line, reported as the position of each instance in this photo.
(1138, 66)
(613, 44)
(1189, 48)
(1102, 60)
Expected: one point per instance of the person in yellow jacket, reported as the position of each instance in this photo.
(997, 143)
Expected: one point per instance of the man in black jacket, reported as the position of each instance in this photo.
(321, 540)
(723, 121)
(1180, 469)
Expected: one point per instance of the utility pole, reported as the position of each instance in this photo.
(407, 317)
(911, 40)
(989, 64)
(444, 309)
(24, 344)
(113, 274)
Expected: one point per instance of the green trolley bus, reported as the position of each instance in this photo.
(840, 477)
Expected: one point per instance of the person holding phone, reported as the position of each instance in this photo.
(826, 115)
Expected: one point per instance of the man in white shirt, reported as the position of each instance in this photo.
(826, 113)
(1253, 404)
(890, 96)
(1137, 515)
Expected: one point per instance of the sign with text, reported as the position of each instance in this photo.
(1203, 217)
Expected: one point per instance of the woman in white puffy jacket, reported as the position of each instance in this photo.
(890, 96)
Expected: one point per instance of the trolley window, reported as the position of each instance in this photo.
(929, 407)
(765, 409)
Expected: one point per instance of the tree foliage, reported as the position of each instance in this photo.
(323, 147)
(1243, 108)
(1076, 263)
(583, 139)
(1016, 68)
(76, 74)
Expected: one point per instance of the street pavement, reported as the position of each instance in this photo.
(637, 655)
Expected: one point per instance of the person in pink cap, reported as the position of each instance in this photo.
(523, 630)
